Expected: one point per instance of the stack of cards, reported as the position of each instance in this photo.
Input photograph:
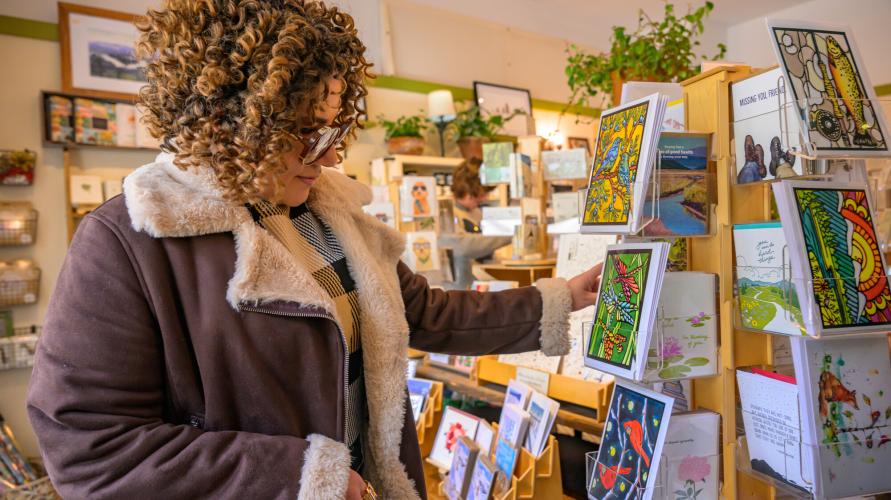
(463, 462)
(626, 308)
(623, 163)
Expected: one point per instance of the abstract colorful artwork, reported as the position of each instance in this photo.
(833, 92)
(631, 445)
(618, 314)
(611, 187)
(849, 284)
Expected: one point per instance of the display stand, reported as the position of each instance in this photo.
(533, 477)
(588, 393)
(428, 422)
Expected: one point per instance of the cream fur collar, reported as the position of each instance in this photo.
(164, 201)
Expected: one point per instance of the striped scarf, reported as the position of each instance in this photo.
(314, 246)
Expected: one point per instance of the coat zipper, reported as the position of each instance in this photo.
(346, 356)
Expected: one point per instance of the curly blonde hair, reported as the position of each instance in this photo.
(227, 77)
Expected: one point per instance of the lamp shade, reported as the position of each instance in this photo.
(440, 105)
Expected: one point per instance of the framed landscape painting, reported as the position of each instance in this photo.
(99, 52)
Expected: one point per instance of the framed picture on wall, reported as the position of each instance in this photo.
(578, 142)
(502, 100)
(99, 52)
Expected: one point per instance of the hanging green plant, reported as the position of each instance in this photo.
(657, 51)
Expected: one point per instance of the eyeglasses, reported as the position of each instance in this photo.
(317, 143)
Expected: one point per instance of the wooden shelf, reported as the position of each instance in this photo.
(427, 161)
(573, 416)
(77, 145)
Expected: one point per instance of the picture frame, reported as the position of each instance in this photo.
(98, 52)
(578, 142)
(86, 190)
(503, 100)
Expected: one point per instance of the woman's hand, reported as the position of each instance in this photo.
(584, 287)
(355, 487)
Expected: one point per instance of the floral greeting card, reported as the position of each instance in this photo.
(684, 344)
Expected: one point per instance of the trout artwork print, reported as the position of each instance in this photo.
(611, 187)
(848, 280)
(631, 445)
(834, 95)
(617, 318)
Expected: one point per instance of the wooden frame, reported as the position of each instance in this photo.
(65, 11)
(578, 142)
(480, 87)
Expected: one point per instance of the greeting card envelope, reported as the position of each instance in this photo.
(772, 426)
(767, 129)
(837, 264)
(623, 161)
(455, 424)
(506, 456)
(513, 424)
(542, 412)
(767, 299)
(626, 308)
(485, 438)
(631, 446)
(517, 393)
(835, 99)
(482, 480)
(464, 458)
(686, 345)
(846, 384)
(692, 460)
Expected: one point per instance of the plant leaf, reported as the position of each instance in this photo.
(672, 372)
(696, 361)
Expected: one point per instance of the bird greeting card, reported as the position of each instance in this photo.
(631, 446)
(836, 100)
(846, 388)
(623, 162)
(626, 308)
(837, 262)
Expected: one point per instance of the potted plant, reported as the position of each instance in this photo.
(657, 51)
(405, 135)
(472, 130)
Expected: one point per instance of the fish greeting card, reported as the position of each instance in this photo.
(847, 384)
(836, 100)
(631, 446)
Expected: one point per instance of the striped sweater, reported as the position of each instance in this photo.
(314, 245)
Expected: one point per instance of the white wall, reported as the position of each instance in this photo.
(749, 42)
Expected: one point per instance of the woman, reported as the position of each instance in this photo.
(235, 325)
(469, 193)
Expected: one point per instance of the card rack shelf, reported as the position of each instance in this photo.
(708, 109)
(533, 477)
(429, 420)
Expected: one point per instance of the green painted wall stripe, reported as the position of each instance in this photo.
(41, 30)
(465, 94)
(26, 28)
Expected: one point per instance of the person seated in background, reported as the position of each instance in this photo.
(469, 194)
(467, 243)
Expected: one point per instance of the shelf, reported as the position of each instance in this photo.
(577, 417)
(77, 145)
(427, 161)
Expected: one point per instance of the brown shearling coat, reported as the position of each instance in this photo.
(185, 354)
